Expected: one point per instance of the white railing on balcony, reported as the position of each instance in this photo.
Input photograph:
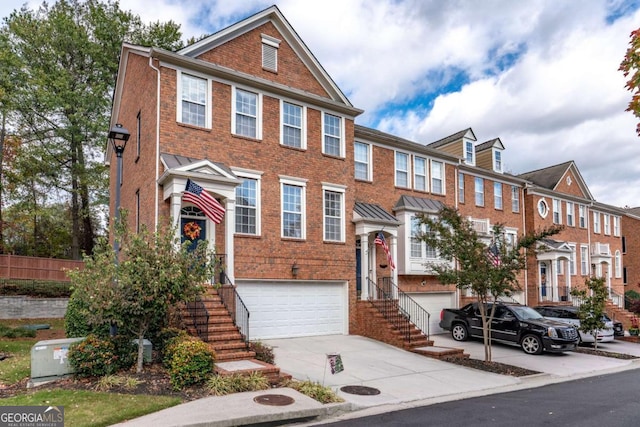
(481, 226)
(600, 249)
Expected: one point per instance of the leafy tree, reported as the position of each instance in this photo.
(592, 304)
(154, 272)
(64, 60)
(630, 66)
(489, 272)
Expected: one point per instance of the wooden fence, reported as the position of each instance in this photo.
(33, 268)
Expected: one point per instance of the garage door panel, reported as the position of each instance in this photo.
(280, 310)
(434, 303)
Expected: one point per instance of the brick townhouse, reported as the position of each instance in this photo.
(252, 117)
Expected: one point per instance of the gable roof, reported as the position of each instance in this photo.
(467, 133)
(271, 14)
(490, 144)
(550, 177)
(190, 166)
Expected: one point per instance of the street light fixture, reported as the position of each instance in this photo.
(118, 135)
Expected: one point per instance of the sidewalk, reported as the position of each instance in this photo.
(400, 378)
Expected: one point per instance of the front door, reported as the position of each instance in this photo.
(193, 230)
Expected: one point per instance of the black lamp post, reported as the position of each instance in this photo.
(118, 135)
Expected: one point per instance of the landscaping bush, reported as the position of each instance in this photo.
(189, 362)
(237, 383)
(35, 288)
(75, 321)
(96, 357)
(126, 351)
(8, 332)
(263, 352)
(165, 337)
(315, 391)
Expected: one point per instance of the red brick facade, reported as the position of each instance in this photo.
(147, 99)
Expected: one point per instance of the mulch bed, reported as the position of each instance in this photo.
(495, 367)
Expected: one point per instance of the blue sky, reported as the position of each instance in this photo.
(540, 75)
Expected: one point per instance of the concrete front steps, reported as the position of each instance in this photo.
(619, 314)
(233, 354)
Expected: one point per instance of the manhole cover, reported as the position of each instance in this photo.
(360, 390)
(274, 400)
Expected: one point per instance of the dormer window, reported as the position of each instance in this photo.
(497, 161)
(270, 47)
(468, 152)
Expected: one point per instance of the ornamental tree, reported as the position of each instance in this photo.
(592, 306)
(630, 66)
(154, 272)
(488, 271)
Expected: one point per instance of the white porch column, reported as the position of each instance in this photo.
(176, 206)
(394, 255)
(364, 266)
(229, 230)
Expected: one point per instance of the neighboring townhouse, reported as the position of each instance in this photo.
(590, 243)
(249, 115)
(630, 249)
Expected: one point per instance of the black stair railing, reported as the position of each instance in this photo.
(200, 317)
(232, 301)
(402, 311)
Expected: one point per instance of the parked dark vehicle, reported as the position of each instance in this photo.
(570, 314)
(512, 324)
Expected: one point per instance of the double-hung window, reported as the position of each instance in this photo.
(246, 120)
(582, 216)
(419, 248)
(479, 191)
(293, 125)
(570, 214)
(497, 161)
(402, 170)
(334, 224)
(515, 199)
(332, 135)
(437, 177)
(362, 154)
(616, 226)
(572, 260)
(606, 222)
(193, 108)
(420, 173)
(468, 152)
(248, 204)
(497, 195)
(293, 193)
(557, 212)
(460, 187)
(596, 222)
(584, 260)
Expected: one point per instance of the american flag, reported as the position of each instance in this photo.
(382, 242)
(493, 253)
(195, 194)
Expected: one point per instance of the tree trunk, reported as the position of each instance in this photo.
(75, 208)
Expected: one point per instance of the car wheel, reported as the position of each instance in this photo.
(459, 332)
(531, 344)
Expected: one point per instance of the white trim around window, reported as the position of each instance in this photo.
(557, 211)
(515, 199)
(248, 202)
(402, 170)
(332, 134)
(437, 177)
(333, 216)
(362, 161)
(497, 195)
(572, 259)
(584, 260)
(570, 214)
(193, 99)
(616, 226)
(478, 189)
(250, 113)
(420, 174)
(293, 208)
(293, 125)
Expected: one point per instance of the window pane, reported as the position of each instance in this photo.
(420, 173)
(291, 211)
(402, 170)
(246, 113)
(333, 215)
(194, 99)
(246, 207)
(331, 135)
(437, 174)
(361, 155)
(292, 125)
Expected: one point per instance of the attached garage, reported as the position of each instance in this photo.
(294, 309)
(434, 302)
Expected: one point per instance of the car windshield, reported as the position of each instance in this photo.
(525, 313)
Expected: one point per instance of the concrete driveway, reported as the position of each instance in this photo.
(559, 364)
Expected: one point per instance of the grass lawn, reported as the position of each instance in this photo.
(89, 408)
(81, 407)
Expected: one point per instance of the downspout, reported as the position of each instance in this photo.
(524, 224)
(157, 158)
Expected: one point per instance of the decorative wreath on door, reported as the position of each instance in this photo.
(192, 230)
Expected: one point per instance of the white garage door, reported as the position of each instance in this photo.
(434, 303)
(287, 309)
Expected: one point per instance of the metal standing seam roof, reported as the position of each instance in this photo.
(418, 204)
(374, 212)
(173, 161)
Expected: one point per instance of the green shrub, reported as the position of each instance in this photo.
(237, 383)
(97, 357)
(165, 337)
(189, 362)
(315, 391)
(75, 321)
(263, 352)
(35, 288)
(20, 332)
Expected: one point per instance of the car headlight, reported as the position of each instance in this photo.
(552, 332)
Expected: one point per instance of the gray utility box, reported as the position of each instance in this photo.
(146, 349)
(49, 358)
